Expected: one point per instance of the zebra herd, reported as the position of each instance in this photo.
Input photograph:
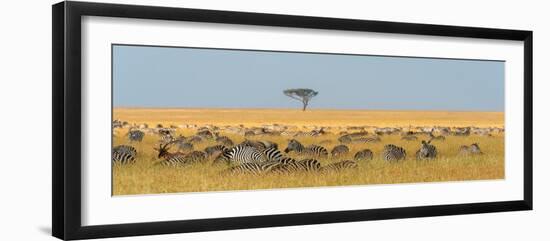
(263, 156)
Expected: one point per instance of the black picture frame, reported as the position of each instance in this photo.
(66, 75)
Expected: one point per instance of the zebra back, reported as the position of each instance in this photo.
(365, 154)
(393, 153)
(245, 154)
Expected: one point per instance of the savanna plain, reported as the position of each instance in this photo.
(278, 126)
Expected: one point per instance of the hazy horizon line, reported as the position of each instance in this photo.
(298, 109)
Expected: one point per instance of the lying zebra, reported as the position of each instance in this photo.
(311, 150)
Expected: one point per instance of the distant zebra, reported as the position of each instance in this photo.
(393, 153)
(124, 154)
(311, 150)
(427, 151)
(251, 168)
(473, 149)
(365, 154)
(306, 165)
(339, 150)
(339, 166)
(259, 145)
(135, 135)
(370, 139)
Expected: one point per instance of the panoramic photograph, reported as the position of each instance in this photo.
(189, 119)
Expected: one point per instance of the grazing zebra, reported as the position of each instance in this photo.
(366, 139)
(213, 150)
(393, 153)
(135, 135)
(251, 168)
(124, 154)
(306, 165)
(365, 154)
(273, 154)
(244, 154)
(339, 166)
(462, 131)
(339, 150)
(427, 151)
(311, 150)
(318, 132)
(473, 149)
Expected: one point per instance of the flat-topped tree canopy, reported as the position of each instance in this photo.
(303, 95)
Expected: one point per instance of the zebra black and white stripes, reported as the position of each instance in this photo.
(427, 151)
(393, 153)
(124, 154)
(244, 154)
(311, 150)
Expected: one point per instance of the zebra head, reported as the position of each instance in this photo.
(294, 145)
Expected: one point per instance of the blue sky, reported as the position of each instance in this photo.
(212, 78)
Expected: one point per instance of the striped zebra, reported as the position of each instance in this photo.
(473, 149)
(306, 165)
(135, 135)
(427, 151)
(311, 150)
(339, 150)
(244, 154)
(339, 166)
(124, 154)
(251, 168)
(365, 154)
(393, 153)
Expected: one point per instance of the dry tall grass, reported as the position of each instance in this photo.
(144, 177)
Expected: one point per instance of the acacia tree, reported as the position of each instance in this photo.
(303, 95)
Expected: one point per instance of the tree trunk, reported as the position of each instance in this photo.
(305, 105)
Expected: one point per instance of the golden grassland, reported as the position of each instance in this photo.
(256, 117)
(144, 177)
